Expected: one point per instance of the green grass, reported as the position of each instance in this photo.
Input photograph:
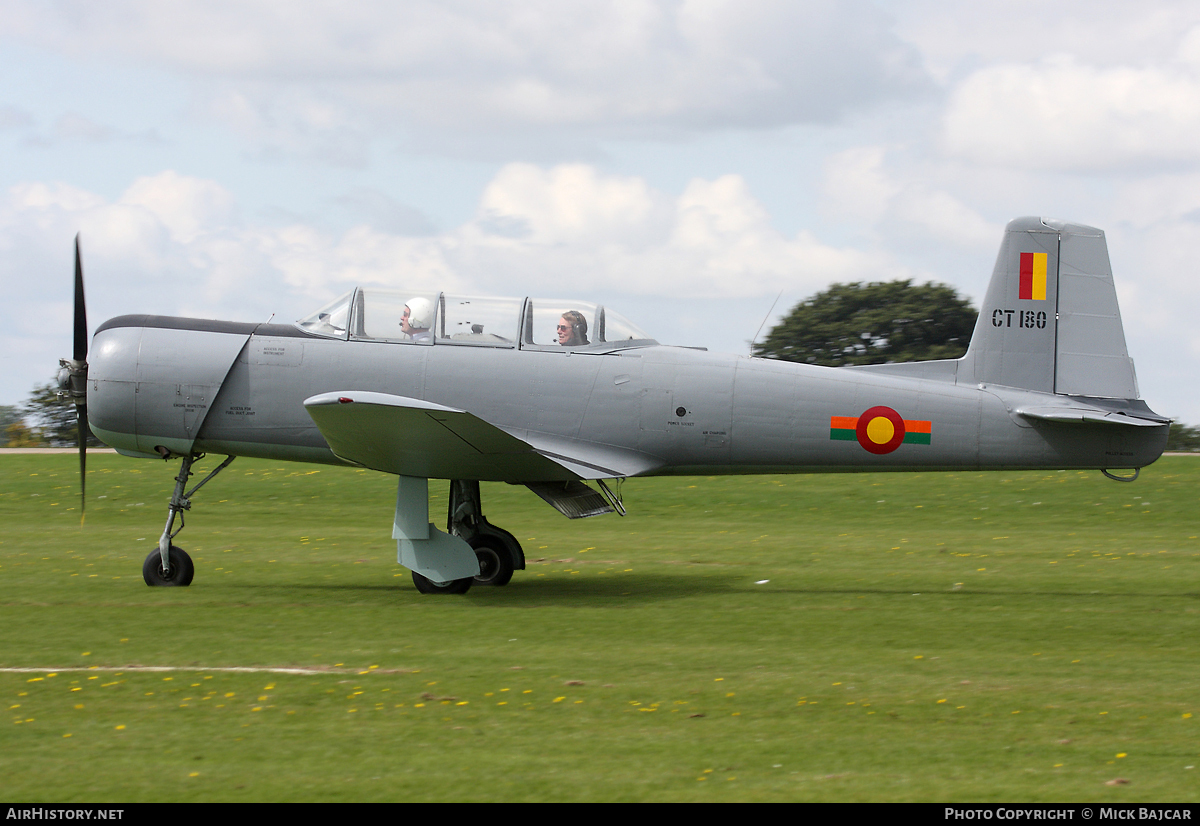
(936, 637)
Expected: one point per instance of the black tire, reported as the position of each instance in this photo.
(495, 561)
(179, 575)
(428, 586)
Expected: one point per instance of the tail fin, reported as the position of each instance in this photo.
(1050, 321)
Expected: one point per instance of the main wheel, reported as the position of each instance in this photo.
(179, 572)
(495, 561)
(428, 586)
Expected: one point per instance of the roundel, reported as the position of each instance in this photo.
(880, 430)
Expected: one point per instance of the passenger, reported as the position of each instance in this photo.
(572, 329)
(418, 316)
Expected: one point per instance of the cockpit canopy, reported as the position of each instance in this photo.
(439, 318)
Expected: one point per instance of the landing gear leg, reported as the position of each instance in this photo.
(170, 565)
(440, 563)
(498, 551)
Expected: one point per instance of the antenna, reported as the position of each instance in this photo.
(764, 321)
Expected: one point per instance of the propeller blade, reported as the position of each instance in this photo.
(80, 356)
(82, 429)
(81, 342)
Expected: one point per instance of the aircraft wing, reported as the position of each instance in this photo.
(411, 437)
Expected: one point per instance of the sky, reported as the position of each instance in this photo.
(700, 166)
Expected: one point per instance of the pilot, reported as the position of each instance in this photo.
(418, 315)
(572, 329)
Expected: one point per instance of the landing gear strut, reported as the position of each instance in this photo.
(170, 565)
(498, 551)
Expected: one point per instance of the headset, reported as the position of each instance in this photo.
(420, 313)
(579, 326)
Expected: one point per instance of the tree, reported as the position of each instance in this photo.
(10, 416)
(18, 434)
(53, 419)
(1183, 438)
(873, 323)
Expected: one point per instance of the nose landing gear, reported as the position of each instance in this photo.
(170, 565)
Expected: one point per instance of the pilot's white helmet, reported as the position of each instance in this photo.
(420, 313)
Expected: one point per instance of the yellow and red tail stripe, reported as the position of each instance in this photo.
(880, 430)
(1033, 276)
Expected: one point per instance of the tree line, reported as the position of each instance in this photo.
(846, 324)
(43, 420)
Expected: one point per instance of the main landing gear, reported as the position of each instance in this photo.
(170, 565)
(498, 551)
(471, 551)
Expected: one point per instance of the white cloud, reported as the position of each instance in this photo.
(570, 204)
(1152, 200)
(571, 228)
(14, 117)
(1060, 114)
(856, 186)
(75, 127)
(327, 67)
(186, 206)
(594, 232)
(1098, 33)
(43, 200)
(860, 187)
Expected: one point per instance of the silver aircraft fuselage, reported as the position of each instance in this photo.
(161, 385)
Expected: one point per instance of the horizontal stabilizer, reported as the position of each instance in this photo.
(1077, 415)
(574, 500)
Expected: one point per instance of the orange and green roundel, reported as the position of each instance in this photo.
(880, 430)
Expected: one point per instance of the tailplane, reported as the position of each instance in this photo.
(1050, 321)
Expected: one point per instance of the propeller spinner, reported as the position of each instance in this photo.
(72, 376)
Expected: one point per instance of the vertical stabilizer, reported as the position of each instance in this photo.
(1013, 342)
(1050, 321)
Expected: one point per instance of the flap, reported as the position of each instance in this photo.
(574, 500)
(590, 460)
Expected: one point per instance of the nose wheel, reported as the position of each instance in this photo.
(179, 570)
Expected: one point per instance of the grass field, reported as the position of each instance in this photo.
(928, 637)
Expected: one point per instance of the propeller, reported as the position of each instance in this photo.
(72, 378)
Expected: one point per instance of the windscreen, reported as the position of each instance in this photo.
(332, 320)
